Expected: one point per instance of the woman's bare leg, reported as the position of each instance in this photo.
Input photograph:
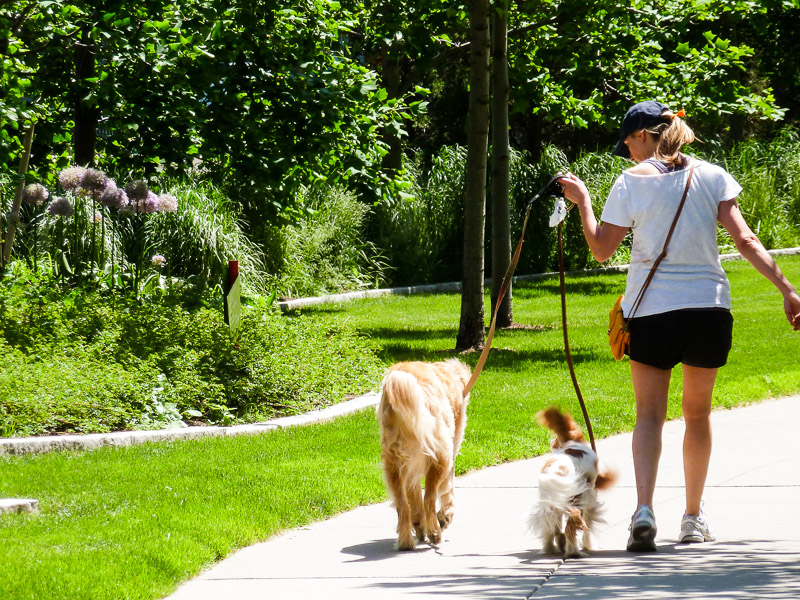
(651, 388)
(698, 391)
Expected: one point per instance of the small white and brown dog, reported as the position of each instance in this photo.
(422, 415)
(568, 484)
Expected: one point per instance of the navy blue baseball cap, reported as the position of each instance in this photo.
(639, 116)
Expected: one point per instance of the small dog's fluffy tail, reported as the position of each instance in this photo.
(562, 424)
(405, 396)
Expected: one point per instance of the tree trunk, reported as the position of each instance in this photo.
(501, 217)
(84, 137)
(390, 72)
(390, 53)
(13, 217)
(471, 327)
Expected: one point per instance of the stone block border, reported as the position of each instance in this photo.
(18, 505)
(92, 441)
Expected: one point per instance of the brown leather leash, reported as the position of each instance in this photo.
(501, 294)
(504, 288)
(566, 337)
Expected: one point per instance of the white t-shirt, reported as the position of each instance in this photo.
(690, 276)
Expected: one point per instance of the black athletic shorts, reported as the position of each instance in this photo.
(698, 337)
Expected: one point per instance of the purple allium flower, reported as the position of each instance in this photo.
(113, 196)
(168, 203)
(151, 204)
(148, 206)
(137, 191)
(35, 194)
(60, 207)
(71, 177)
(159, 260)
(94, 180)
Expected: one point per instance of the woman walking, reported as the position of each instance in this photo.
(685, 315)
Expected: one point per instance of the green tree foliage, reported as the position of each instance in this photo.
(578, 64)
(263, 95)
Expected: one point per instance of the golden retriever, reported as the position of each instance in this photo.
(422, 415)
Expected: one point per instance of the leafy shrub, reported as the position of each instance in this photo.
(67, 390)
(95, 361)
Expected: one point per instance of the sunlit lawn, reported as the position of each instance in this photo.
(134, 523)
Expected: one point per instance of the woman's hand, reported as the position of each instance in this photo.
(603, 239)
(575, 191)
(791, 305)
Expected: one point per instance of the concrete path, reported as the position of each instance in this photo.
(752, 501)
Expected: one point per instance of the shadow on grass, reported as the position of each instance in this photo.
(584, 285)
(505, 359)
(591, 285)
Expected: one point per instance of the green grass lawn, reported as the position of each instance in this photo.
(136, 522)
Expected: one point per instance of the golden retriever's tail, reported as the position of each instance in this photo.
(406, 398)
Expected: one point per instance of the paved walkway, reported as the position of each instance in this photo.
(752, 500)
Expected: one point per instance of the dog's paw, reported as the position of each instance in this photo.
(445, 518)
(435, 537)
(575, 553)
(406, 543)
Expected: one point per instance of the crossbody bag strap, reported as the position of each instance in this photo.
(661, 256)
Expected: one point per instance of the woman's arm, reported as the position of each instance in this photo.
(749, 246)
(603, 239)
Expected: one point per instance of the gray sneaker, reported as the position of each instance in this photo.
(643, 531)
(694, 529)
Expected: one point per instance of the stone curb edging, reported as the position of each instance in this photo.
(92, 441)
(455, 286)
(18, 505)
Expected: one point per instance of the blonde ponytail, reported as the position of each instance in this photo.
(672, 135)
